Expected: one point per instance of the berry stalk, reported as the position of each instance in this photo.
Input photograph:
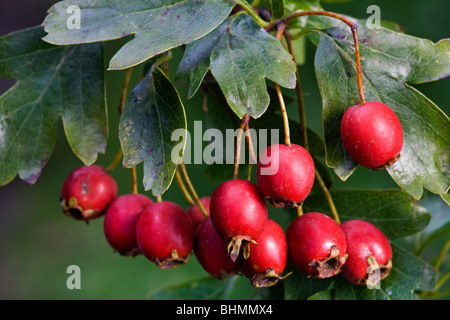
(287, 139)
(304, 132)
(134, 184)
(192, 189)
(183, 189)
(354, 29)
(299, 93)
(244, 124)
(251, 151)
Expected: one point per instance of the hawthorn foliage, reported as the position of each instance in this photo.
(231, 56)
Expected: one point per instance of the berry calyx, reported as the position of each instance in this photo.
(285, 175)
(87, 192)
(372, 134)
(120, 222)
(369, 253)
(268, 259)
(239, 213)
(165, 234)
(211, 251)
(316, 245)
(196, 213)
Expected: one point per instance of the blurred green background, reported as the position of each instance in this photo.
(38, 243)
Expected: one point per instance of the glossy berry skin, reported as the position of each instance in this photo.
(267, 260)
(196, 214)
(369, 253)
(211, 251)
(316, 245)
(120, 222)
(238, 213)
(372, 134)
(165, 234)
(87, 192)
(285, 175)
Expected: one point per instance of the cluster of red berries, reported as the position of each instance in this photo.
(237, 236)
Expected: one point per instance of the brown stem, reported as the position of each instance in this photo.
(237, 158)
(183, 189)
(298, 91)
(287, 139)
(353, 27)
(301, 107)
(192, 189)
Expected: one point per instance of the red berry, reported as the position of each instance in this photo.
(285, 175)
(316, 245)
(268, 259)
(165, 234)
(372, 134)
(196, 213)
(211, 251)
(369, 253)
(87, 192)
(238, 213)
(120, 222)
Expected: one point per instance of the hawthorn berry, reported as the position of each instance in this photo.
(369, 253)
(268, 259)
(120, 222)
(316, 245)
(87, 192)
(196, 214)
(285, 175)
(372, 134)
(165, 234)
(238, 213)
(211, 251)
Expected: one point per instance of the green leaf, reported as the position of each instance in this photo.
(208, 288)
(299, 287)
(408, 274)
(393, 211)
(241, 55)
(196, 59)
(322, 295)
(157, 25)
(152, 113)
(276, 7)
(52, 82)
(389, 61)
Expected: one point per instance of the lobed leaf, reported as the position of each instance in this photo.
(152, 113)
(157, 25)
(240, 56)
(53, 82)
